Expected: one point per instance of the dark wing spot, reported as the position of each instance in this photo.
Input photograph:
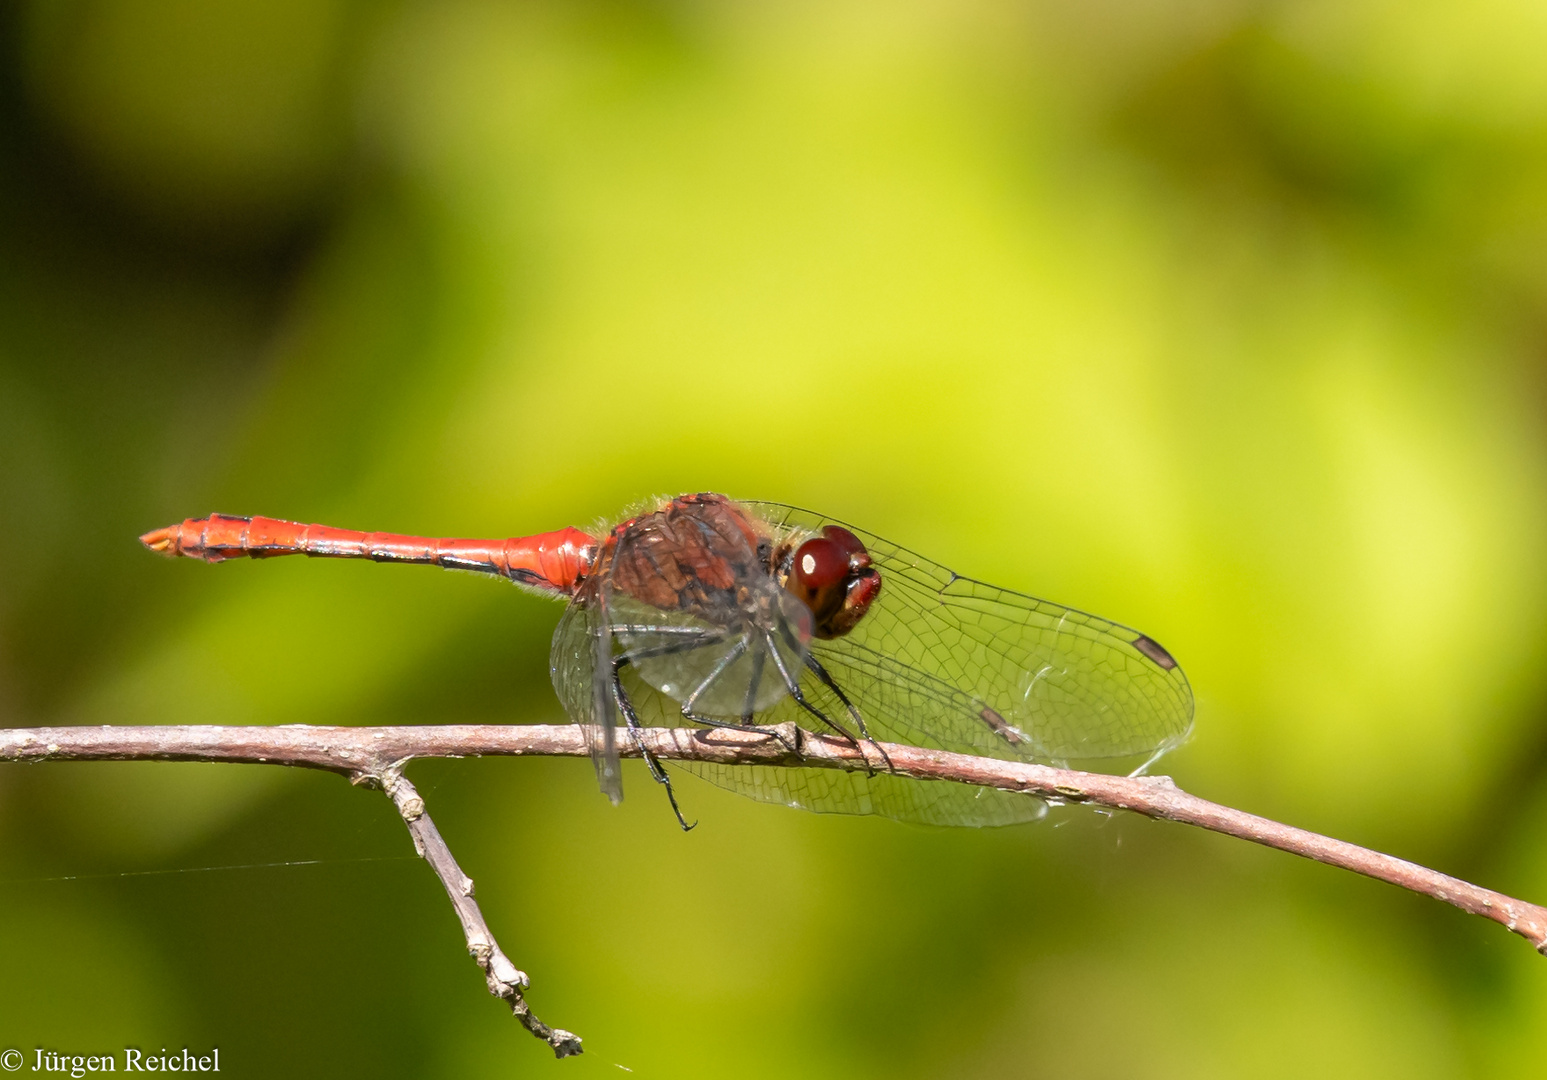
(1001, 726)
(1151, 648)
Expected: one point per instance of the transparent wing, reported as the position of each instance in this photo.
(832, 791)
(718, 671)
(945, 661)
(580, 664)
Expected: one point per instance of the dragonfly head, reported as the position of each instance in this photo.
(831, 574)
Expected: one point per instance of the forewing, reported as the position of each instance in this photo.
(945, 661)
(581, 666)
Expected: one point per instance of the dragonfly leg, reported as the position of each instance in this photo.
(758, 660)
(701, 639)
(736, 652)
(726, 661)
(695, 638)
(631, 718)
(772, 733)
(827, 680)
(793, 686)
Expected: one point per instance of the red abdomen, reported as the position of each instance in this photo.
(555, 561)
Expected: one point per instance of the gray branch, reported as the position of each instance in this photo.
(506, 981)
(376, 755)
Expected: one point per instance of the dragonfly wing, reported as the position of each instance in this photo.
(833, 791)
(945, 661)
(581, 666)
(727, 672)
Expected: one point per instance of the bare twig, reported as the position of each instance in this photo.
(505, 980)
(377, 754)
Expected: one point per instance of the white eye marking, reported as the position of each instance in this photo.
(808, 564)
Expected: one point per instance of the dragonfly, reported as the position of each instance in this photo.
(755, 616)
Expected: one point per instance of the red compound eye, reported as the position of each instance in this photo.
(844, 539)
(820, 563)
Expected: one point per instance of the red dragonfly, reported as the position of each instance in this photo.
(751, 614)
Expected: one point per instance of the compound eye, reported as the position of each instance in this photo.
(844, 539)
(820, 563)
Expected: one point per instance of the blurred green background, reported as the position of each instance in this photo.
(1224, 319)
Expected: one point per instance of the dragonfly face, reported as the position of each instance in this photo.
(832, 575)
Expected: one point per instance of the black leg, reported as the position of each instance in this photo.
(827, 680)
(772, 733)
(736, 652)
(657, 773)
(793, 687)
(719, 670)
(703, 640)
(758, 660)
